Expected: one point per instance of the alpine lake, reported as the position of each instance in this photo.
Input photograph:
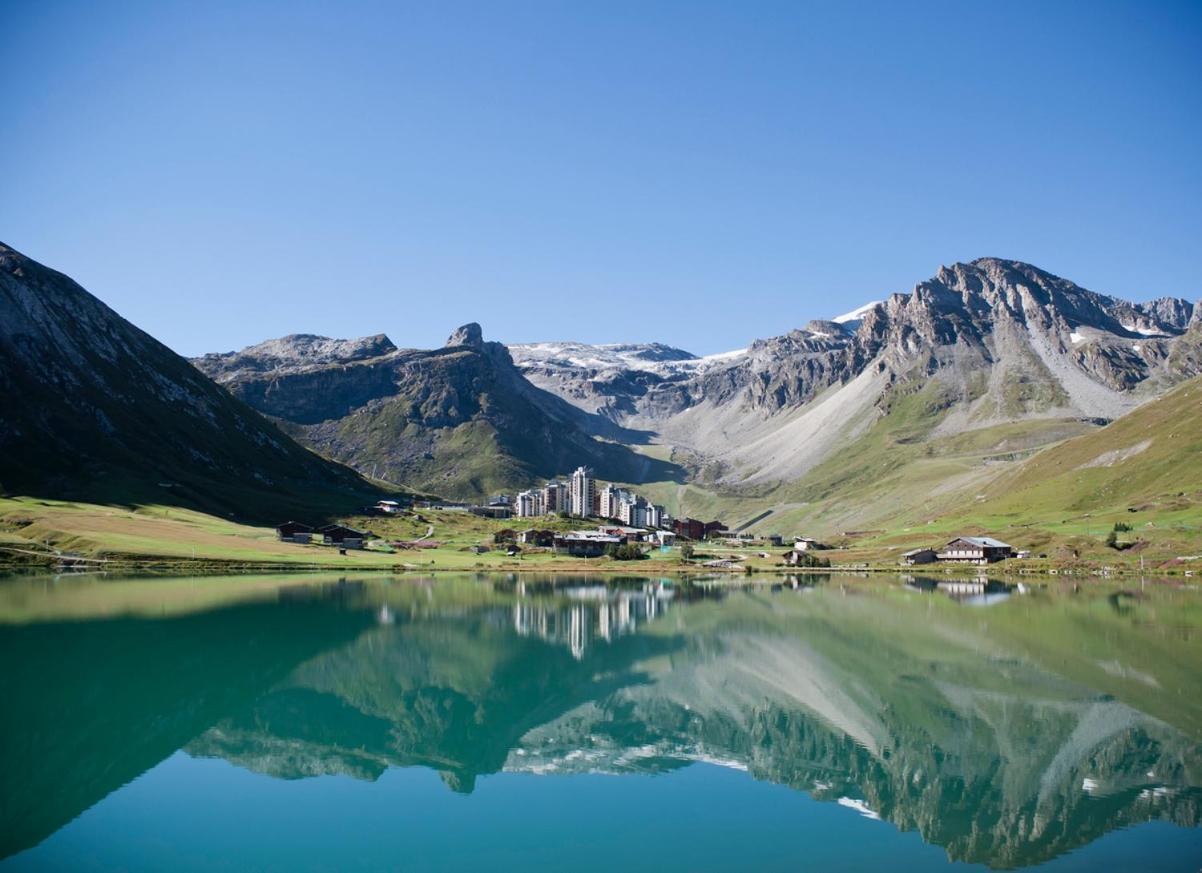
(499, 722)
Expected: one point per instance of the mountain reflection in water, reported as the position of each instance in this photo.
(1006, 735)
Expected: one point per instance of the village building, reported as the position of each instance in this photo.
(975, 550)
(918, 556)
(534, 537)
(584, 544)
(294, 532)
(696, 530)
(388, 507)
(529, 504)
(341, 536)
(633, 512)
(582, 493)
(555, 497)
(491, 511)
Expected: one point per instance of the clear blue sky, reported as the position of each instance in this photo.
(696, 173)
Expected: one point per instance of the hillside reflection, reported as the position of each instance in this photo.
(1007, 735)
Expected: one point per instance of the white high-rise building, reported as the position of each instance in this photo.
(555, 498)
(528, 504)
(655, 516)
(633, 511)
(582, 492)
(610, 500)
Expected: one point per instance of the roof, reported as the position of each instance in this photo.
(916, 551)
(299, 527)
(987, 542)
(342, 529)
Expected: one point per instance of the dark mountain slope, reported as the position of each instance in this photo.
(459, 421)
(96, 409)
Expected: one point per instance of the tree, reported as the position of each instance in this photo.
(686, 551)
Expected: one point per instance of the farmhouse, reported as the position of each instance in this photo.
(918, 556)
(976, 550)
(343, 537)
(294, 532)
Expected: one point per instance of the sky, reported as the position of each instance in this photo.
(694, 173)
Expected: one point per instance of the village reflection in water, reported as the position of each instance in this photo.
(1008, 736)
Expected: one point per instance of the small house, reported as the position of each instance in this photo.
(294, 532)
(480, 550)
(918, 556)
(341, 536)
(584, 545)
(388, 507)
(976, 550)
(534, 537)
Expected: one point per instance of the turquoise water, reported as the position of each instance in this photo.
(320, 724)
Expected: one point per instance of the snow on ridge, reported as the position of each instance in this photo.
(614, 356)
(855, 315)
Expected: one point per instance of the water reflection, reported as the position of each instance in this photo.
(1007, 736)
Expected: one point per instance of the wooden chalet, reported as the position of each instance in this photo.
(975, 550)
(294, 532)
(341, 536)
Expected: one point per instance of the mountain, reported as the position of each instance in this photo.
(1148, 459)
(852, 419)
(458, 421)
(96, 409)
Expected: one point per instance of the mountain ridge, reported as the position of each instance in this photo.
(96, 408)
(973, 349)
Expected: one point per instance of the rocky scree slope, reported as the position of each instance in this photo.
(96, 409)
(458, 421)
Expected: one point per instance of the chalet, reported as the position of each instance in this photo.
(581, 544)
(918, 556)
(505, 535)
(975, 550)
(804, 544)
(294, 532)
(388, 507)
(533, 537)
(343, 537)
(696, 530)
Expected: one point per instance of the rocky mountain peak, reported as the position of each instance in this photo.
(470, 335)
(296, 351)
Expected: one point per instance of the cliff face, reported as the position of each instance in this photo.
(458, 421)
(95, 408)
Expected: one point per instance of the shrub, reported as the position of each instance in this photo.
(625, 552)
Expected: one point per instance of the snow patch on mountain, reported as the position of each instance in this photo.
(852, 319)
